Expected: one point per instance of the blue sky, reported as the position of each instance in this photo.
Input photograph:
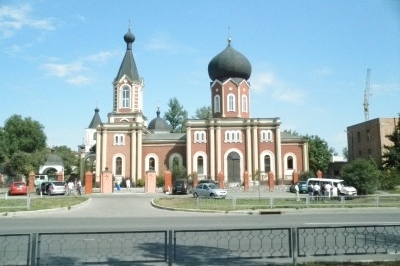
(309, 59)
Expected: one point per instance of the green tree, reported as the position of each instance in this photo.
(362, 174)
(176, 116)
(203, 113)
(391, 155)
(179, 172)
(319, 153)
(70, 158)
(22, 144)
(346, 153)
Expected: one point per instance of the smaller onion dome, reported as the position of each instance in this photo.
(229, 64)
(129, 38)
(158, 124)
(54, 159)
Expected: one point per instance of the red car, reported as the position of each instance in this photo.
(18, 188)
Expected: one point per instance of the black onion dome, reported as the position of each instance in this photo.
(158, 124)
(229, 64)
(54, 159)
(129, 37)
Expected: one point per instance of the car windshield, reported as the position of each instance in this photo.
(58, 183)
(19, 184)
(213, 186)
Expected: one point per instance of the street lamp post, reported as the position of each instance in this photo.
(82, 163)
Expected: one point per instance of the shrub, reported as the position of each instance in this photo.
(363, 175)
(389, 179)
(160, 181)
(140, 183)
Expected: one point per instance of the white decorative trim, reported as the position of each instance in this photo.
(200, 136)
(233, 136)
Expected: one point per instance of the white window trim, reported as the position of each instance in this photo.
(170, 160)
(217, 104)
(146, 162)
(266, 136)
(119, 140)
(114, 166)
(262, 165)
(195, 156)
(294, 161)
(244, 104)
(200, 137)
(233, 136)
(229, 109)
(129, 98)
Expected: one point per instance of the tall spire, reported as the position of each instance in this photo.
(128, 65)
(229, 36)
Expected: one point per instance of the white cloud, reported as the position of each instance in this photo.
(164, 42)
(63, 70)
(14, 18)
(324, 71)
(102, 56)
(381, 88)
(79, 80)
(267, 82)
(79, 71)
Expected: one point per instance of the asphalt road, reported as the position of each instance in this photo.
(133, 211)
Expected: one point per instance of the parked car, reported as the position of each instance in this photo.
(302, 187)
(51, 188)
(18, 188)
(180, 187)
(338, 188)
(209, 190)
(203, 181)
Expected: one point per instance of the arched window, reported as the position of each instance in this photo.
(200, 165)
(175, 160)
(267, 164)
(152, 163)
(217, 104)
(231, 103)
(289, 162)
(118, 166)
(94, 135)
(126, 96)
(244, 103)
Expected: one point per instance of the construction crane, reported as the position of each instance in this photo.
(366, 95)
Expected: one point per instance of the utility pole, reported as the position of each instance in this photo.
(366, 95)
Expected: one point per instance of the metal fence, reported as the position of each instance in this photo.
(256, 246)
(304, 201)
(20, 202)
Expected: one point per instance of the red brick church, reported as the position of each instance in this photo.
(229, 143)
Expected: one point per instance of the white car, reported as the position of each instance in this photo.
(337, 186)
(209, 190)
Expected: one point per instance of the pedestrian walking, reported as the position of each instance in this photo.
(128, 184)
(310, 190)
(70, 187)
(296, 188)
(79, 187)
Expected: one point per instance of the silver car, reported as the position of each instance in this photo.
(55, 188)
(209, 190)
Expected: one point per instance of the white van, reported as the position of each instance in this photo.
(39, 179)
(337, 185)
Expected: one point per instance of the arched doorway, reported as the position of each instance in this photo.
(233, 162)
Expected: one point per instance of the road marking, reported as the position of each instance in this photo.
(358, 223)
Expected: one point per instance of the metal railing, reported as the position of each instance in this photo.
(304, 201)
(20, 202)
(256, 246)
